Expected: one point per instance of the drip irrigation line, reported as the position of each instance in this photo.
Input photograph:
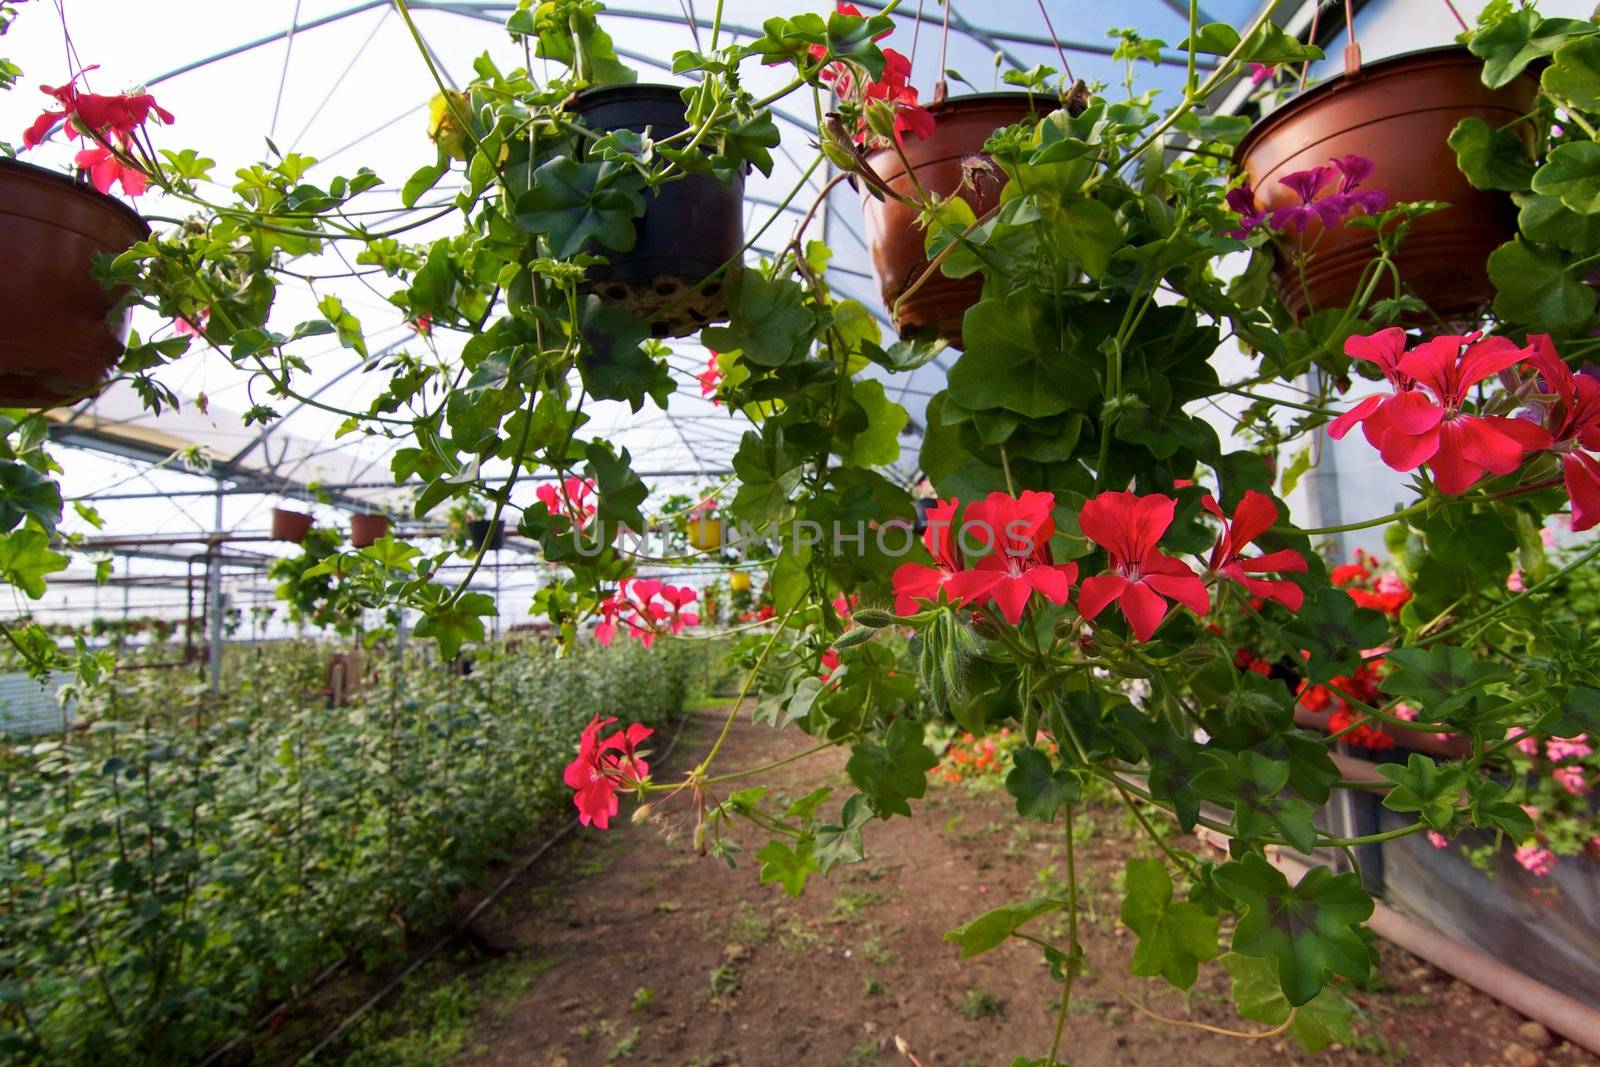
(395, 982)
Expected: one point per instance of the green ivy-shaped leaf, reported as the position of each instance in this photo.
(1312, 930)
(1014, 359)
(1533, 286)
(1040, 789)
(27, 494)
(1439, 678)
(1572, 172)
(1175, 937)
(1573, 76)
(1322, 1021)
(1510, 44)
(452, 624)
(768, 321)
(1490, 157)
(1254, 786)
(1422, 786)
(787, 866)
(25, 559)
(893, 771)
(573, 203)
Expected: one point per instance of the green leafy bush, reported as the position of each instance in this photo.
(185, 861)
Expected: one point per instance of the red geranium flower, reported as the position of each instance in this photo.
(915, 582)
(710, 379)
(1017, 530)
(1423, 421)
(1129, 528)
(1253, 517)
(1573, 420)
(105, 170)
(602, 766)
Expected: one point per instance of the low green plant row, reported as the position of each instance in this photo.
(185, 862)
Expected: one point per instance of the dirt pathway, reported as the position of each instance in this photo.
(634, 950)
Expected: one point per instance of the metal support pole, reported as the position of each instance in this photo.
(214, 601)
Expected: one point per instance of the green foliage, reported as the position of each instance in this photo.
(1175, 937)
(237, 848)
(1312, 930)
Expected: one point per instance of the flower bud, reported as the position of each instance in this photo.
(858, 635)
(875, 618)
(644, 813)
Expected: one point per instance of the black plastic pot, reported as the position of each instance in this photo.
(689, 228)
(480, 531)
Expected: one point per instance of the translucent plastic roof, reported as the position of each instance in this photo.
(341, 80)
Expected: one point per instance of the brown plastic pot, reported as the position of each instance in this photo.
(365, 529)
(1398, 113)
(961, 126)
(290, 525)
(59, 334)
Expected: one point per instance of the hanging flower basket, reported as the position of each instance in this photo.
(290, 525)
(489, 535)
(1399, 113)
(705, 533)
(365, 529)
(961, 126)
(62, 331)
(689, 229)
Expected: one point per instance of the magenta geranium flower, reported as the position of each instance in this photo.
(1573, 420)
(1243, 202)
(1141, 576)
(1017, 531)
(1423, 421)
(602, 767)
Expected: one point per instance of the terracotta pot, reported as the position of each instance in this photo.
(1399, 113)
(689, 227)
(961, 126)
(59, 337)
(290, 525)
(365, 529)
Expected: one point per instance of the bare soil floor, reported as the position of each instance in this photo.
(624, 947)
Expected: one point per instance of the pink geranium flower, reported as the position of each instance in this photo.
(602, 767)
(1253, 517)
(1536, 860)
(1017, 531)
(1571, 779)
(1140, 577)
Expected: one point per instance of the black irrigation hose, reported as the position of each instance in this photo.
(394, 983)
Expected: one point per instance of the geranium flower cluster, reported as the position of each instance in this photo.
(604, 766)
(1363, 684)
(1558, 776)
(1013, 533)
(1425, 419)
(892, 87)
(648, 607)
(571, 498)
(111, 121)
(1370, 586)
(975, 758)
(1318, 200)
